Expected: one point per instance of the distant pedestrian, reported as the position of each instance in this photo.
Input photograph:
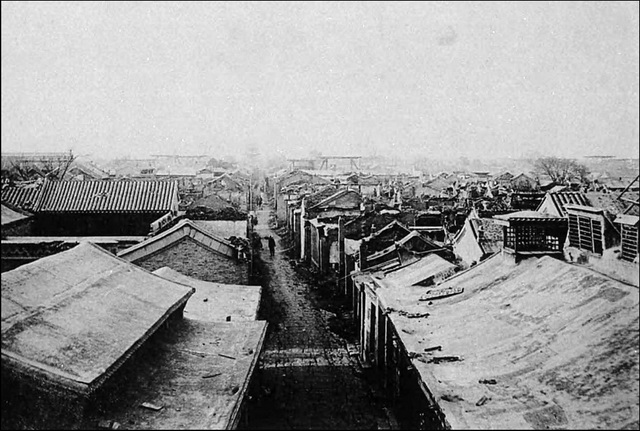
(272, 246)
(259, 202)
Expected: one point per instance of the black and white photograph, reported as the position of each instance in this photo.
(320, 215)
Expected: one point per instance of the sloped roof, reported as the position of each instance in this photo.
(610, 203)
(318, 196)
(334, 197)
(488, 234)
(391, 225)
(415, 234)
(419, 270)
(411, 236)
(440, 183)
(97, 196)
(74, 317)
(215, 301)
(183, 229)
(505, 176)
(199, 372)
(558, 188)
(559, 200)
(176, 172)
(224, 228)
(626, 219)
(21, 197)
(212, 201)
(522, 175)
(10, 216)
(227, 180)
(370, 180)
(560, 340)
(528, 215)
(88, 168)
(619, 182)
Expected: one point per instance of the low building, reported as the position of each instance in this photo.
(630, 249)
(86, 344)
(554, 203)
(595, 240)
(69, 321)
(103, 208)
(426, 271)
(191, 249)
(538, 344)
(217, 302)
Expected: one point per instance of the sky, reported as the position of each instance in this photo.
(415, 79)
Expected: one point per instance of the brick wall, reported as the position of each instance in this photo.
(190, 258)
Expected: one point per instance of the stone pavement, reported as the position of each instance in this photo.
(307, 379)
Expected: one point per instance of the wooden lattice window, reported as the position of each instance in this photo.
(536, 238)
(510, 237)
(585, 233)
(630, 246)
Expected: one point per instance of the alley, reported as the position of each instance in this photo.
(308, 379)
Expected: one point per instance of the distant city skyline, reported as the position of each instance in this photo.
(418, 79)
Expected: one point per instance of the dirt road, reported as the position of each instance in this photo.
(307, 377)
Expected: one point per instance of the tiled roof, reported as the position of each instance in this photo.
(185, 228)
(133, 196)
(21, 197)
(610, 203)
(559, 200)
(74, 317)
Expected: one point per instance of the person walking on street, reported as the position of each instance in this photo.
(272, 246)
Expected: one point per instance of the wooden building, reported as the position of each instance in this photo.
(529, 233)
(629, 248)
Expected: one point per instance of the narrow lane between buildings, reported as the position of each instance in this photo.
(308, 376)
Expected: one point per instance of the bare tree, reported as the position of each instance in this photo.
(561, 170)
(28, 166)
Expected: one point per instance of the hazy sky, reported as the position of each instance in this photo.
(478, 79)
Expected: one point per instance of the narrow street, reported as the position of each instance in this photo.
(308, 379)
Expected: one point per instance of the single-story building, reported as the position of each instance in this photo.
(69, 321)
(213, 302)
(191, 249)
(537, 344)
(107, 208)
